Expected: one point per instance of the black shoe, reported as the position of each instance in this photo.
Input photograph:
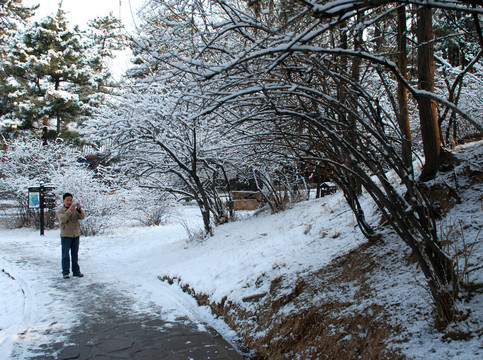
(79, 274)
(66, 276)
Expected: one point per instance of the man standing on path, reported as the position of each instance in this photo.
(69, 216)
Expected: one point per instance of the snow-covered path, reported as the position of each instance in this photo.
(122, 269)
(43, 308)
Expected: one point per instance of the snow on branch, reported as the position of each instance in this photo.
(343, 8)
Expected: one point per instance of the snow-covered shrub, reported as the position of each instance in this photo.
(196, 234)
(155, 215)
(90, 192)
(25, 162)
(136, 205)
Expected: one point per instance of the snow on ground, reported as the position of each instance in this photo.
(13, 304)
(131, 259)
(300, 239)
(39, 307)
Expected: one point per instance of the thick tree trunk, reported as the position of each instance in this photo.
(427, 108)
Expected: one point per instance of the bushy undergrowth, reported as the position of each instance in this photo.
(25, 162)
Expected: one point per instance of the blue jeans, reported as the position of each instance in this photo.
(72, 245)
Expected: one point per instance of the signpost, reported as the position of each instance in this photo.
(41, 197)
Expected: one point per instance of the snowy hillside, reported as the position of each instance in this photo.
(359, 299)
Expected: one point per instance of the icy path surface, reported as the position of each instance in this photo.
(120, 270)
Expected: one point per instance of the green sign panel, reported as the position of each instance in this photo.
(34, 200)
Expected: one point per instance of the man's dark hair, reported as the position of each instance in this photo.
(67, 195)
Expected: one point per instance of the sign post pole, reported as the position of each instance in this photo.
(42, 213)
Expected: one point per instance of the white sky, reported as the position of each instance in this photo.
(80, 11)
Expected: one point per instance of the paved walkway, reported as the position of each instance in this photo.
(107, 318)
(111, 337)
(108, 331)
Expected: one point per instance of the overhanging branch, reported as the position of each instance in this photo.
(342, 8)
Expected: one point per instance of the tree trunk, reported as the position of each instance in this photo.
(402, 93)
(201, 197)
(59, 119)
(347, 121)
(58, 123)
(427, 107)
(356, 74)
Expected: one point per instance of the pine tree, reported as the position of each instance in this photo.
(105, 37)
(56, 75)
(12, 14)
(50, 72)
